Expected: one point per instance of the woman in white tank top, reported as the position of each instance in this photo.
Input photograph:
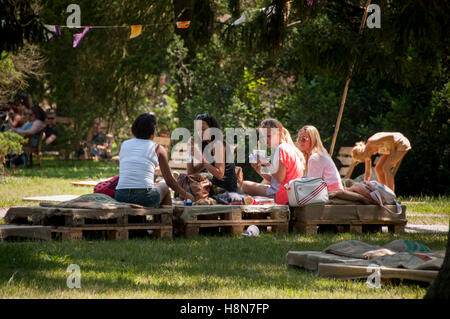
(138, 158)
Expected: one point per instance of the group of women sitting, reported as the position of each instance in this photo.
(139, 157)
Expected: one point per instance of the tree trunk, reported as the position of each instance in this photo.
(183, 12)
(440, 288)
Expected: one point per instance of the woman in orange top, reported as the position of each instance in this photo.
(391, 145)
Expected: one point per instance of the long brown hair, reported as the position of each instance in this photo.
(285, 135)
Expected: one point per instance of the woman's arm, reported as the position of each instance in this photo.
(194, 169)
(257, 167)
(191, 167)
(368, 169)
(218, 169)
(280, 175)
(167, 174)
(34, 129)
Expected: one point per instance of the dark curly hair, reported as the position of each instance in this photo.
(144, 126)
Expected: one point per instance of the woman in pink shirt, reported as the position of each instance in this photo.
(319, 163)
(287, 163)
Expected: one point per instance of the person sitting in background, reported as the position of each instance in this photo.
(224, 173)
(138, 158)
(50, 129)
(34, 126)
(393, 146)
(99, 142)
(319, 163)
(15, 116)
(287, 164)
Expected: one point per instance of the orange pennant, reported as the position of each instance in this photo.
(183, 24)
(136, 31)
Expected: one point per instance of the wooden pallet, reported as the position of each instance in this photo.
(71, 223)
(111, 232)
(57, 216)
(341, 271)
(21, 231)
(231, 218)
(347, 218)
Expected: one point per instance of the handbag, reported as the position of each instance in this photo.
(196, 184)
(107, 187)
(306, 191)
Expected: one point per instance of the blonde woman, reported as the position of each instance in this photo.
(319, 163)
(287, 164)
(393, 146)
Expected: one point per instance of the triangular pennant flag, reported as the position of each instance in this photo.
(77, 37)
(50, 30)
(183, 24)
(136, 31)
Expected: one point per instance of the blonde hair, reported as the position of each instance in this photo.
(316, 141)
(358, 152)
(285, 135)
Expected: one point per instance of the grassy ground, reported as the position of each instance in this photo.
(206, 267)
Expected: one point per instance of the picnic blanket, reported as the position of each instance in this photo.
(399, 253)
(91, 201)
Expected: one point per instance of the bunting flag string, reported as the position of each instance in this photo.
(77, 37)
(135, 30)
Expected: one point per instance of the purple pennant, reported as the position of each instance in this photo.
(78, 36)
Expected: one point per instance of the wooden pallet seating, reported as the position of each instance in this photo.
(24, 231)
(353, 218)
(73, 223)
(232, 218)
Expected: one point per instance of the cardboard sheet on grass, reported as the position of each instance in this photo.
(350, 259)
(185, 212)
(51, 198)
(85, 206)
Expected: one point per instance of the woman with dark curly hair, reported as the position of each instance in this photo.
(138, 158)
(223, 171)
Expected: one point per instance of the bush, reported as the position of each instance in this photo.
(10, 143)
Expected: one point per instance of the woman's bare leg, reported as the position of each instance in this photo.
(164, 191)
(392, 159)
(379, 169)
(255, 189)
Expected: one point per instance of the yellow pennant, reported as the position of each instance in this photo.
(183, 24)
(136, 31)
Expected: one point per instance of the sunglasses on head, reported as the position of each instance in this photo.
(202, 116)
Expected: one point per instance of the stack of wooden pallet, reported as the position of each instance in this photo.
(353, 218)
(231, 218)
(76, 223)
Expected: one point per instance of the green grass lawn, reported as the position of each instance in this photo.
(205, 267)
(54, 178)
